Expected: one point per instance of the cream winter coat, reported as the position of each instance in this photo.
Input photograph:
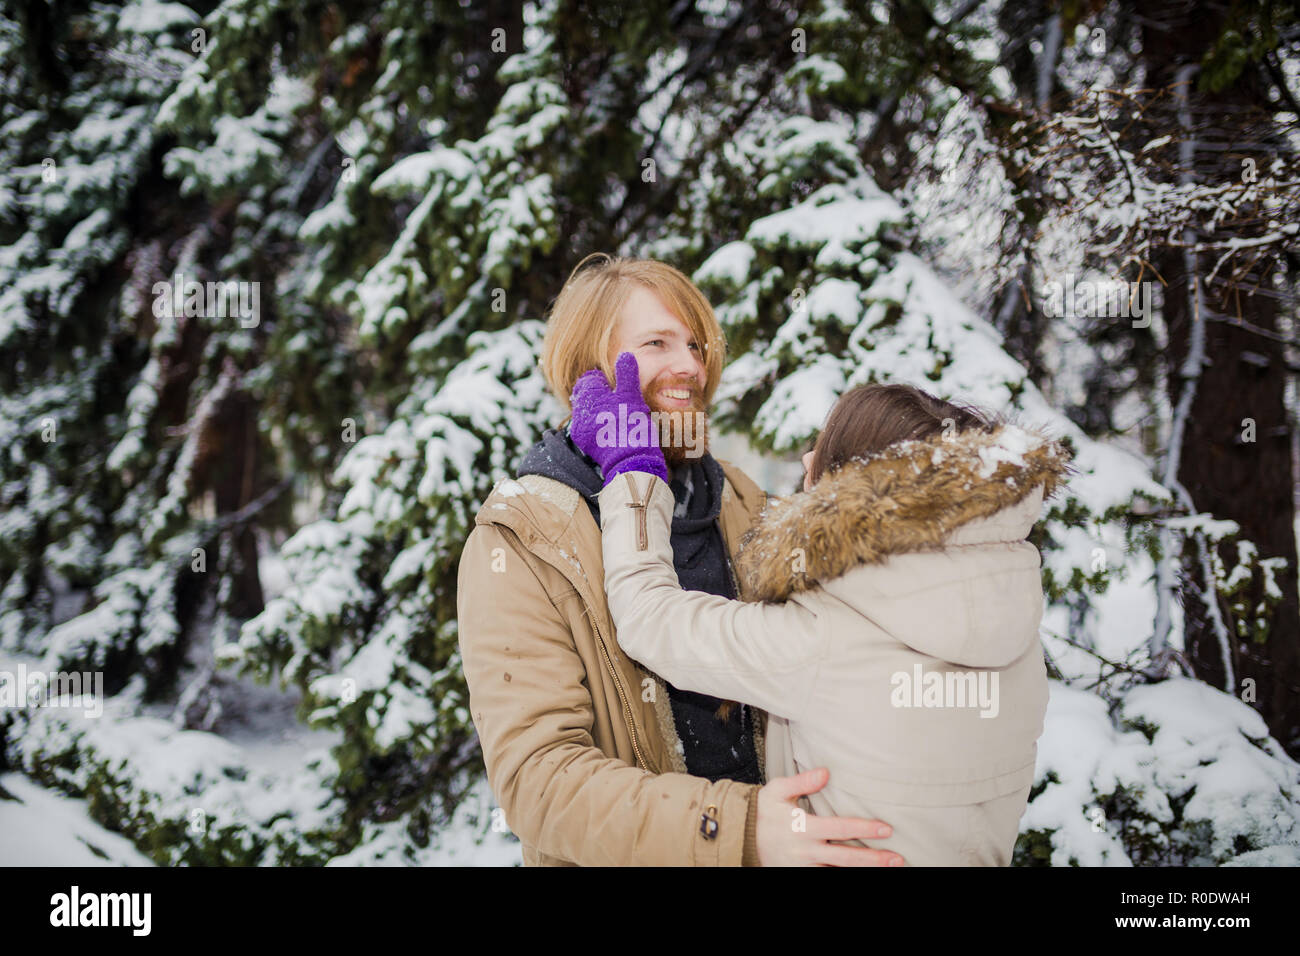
(898, 645)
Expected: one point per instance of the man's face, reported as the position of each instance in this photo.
(670, 361)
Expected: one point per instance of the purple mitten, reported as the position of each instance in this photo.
(612, 425)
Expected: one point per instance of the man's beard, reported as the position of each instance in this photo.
(683, 433)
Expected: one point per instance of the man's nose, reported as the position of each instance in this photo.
(685, 363)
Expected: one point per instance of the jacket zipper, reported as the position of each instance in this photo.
(618, 685)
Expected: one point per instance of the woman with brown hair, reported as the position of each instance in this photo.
(893, 636)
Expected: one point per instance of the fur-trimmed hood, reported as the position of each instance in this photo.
(917, 497)
(911, 497)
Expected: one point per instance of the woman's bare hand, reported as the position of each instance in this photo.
(781, 843)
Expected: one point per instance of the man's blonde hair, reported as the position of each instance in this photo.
(580, 331)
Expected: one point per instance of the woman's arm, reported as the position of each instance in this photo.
(767, 655)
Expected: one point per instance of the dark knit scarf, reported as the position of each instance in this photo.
(714, 748)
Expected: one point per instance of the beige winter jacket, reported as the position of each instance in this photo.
(579, 741)
(899, 643)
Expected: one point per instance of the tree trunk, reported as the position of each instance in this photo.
(1227, 469)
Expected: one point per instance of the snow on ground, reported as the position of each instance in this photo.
(248, 726)
(255, 728)
(40, 827)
